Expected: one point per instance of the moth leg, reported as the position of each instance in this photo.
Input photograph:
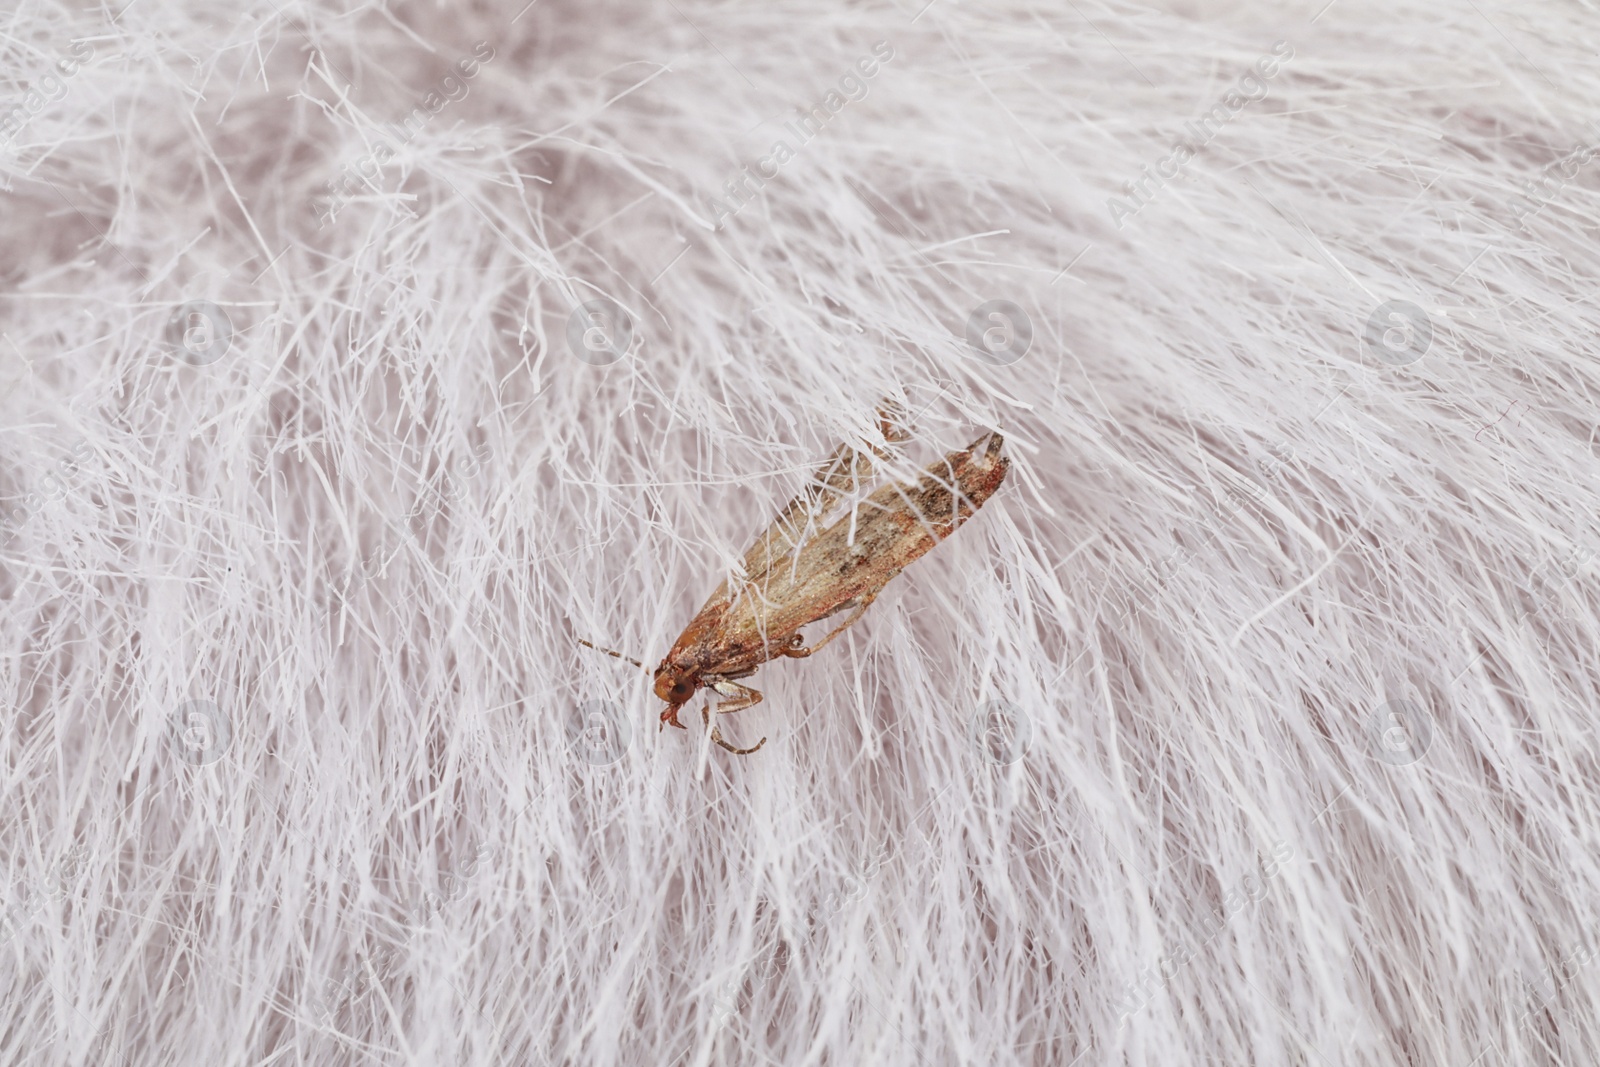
(742, 697)
(865, 602)
(716, 731)
(716, 735)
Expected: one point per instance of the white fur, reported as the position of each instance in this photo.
(352, 555)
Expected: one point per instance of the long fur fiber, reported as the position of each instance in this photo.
(1251, 722)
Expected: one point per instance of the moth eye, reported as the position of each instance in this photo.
(681, 691)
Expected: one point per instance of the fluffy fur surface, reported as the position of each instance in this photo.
(1251, 721)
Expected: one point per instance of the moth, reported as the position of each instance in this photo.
(805, 569)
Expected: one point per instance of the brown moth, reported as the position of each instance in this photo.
(799, 572)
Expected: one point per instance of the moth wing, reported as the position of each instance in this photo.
(751, 614)
(734, 616)
(835, 479)
(893, 528)
(798, 580)
(806, 512)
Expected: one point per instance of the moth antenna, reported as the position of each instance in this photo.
(619, 655)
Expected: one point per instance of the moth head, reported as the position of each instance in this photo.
(675, 685)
